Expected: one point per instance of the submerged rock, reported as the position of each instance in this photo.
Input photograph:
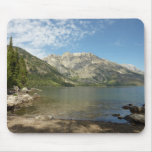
(130, 104)
(120, 117)
(115, 115)
(36, 95)
(125, 107)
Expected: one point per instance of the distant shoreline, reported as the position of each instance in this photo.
(98, 86)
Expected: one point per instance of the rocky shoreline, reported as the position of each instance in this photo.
(137, 114)
(18, 98)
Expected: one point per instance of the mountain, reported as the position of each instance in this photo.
(88, 69)
(40, 73)
(132, 68)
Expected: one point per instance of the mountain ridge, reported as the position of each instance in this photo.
(87, 68)
(77, 69)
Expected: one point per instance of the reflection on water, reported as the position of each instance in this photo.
(81, 103)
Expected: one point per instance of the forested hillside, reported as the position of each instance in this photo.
(24, 69)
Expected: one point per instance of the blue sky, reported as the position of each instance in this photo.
(117, 40)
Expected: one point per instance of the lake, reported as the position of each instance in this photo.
(85, 103)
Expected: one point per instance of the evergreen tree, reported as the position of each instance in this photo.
(10, 65)
(16, 68)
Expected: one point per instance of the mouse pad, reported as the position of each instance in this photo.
(75, 76)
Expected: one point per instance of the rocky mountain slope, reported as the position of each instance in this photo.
(132, 68)
(41, 73)
(88, 69)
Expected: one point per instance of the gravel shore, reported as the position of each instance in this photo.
(22, 124)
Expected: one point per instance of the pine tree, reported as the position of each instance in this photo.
(10, 65)
(16, 68)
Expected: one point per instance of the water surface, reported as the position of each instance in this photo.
(85, 103)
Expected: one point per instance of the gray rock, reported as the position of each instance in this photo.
(24, 90)
(12, 100)
(135, 109)
(18, 100)
(25, 98)
(139, 118)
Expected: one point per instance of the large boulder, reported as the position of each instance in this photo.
(12, 100)
(138, 118)
(16, 101)
(24, 98)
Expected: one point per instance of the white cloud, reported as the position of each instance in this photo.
(44, 32)
(37, 34)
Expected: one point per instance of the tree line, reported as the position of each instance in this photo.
(16, 67)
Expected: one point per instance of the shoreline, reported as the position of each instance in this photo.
(49, 124)
(25, 124)
(21, 98)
